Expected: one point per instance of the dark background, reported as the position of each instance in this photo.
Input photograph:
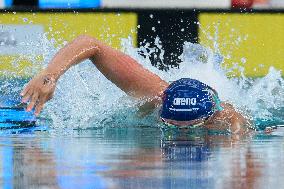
(173, 27)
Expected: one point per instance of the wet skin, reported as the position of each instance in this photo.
(122, 70)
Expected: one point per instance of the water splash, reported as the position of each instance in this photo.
(85, 98)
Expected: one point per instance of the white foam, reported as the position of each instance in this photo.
(85, 98)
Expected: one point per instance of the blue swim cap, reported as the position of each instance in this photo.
(189, 99)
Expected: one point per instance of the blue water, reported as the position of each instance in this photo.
(89, 135)
(140, 157)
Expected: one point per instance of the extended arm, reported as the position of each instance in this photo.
(116, 66)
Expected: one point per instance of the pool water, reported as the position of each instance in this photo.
(91, 137)
(141, 157)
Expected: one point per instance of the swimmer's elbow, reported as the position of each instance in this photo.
(88, 40)
(88, 43)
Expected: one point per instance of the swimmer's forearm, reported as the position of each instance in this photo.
(125, 72)
(119, 68)
(73, 53)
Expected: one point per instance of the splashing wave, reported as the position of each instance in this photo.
(85, 98)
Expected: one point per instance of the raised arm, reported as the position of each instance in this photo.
(116, 66)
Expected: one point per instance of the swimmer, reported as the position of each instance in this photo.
(183, 103)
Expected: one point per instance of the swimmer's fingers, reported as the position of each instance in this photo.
(25, 90)
(33, 101)
(40, 105)
(27, 96)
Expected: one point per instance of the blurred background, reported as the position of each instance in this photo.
(267, 4)
(247, 32)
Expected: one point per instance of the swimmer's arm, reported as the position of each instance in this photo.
(229, 119)
(116, 66)
(238, 123)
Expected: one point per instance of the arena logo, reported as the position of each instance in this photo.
(184, 101)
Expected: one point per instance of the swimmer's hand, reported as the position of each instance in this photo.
(38, 91)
